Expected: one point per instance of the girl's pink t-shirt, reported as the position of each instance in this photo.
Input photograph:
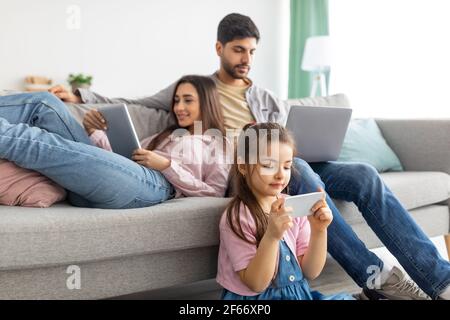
(235, 254)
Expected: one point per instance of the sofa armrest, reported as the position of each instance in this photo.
(420, 144)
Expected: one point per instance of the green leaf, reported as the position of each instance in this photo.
(79, 79)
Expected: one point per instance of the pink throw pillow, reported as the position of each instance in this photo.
(27, 188)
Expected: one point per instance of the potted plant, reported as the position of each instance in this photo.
(79, 81)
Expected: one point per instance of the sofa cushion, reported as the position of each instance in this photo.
(336, 100)
(413, 189)
(364, 143)
(64, 234)
(417, 189)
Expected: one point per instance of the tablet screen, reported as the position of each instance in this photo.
(121, 132)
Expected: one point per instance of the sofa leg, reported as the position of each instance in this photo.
(447, 243)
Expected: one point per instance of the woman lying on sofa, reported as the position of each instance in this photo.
(37, 132)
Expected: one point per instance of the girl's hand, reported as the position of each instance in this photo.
(322, 216)
(279, 220)
(93, 120)
(150, 159)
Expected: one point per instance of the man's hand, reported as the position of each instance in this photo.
(64, 94)
(150, 159)
(93, 120)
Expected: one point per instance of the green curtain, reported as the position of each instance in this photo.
(308, 18)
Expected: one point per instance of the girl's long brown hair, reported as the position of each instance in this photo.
(241, 184)
(210, 109)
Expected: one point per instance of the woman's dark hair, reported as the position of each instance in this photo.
(236, 26)
(248, 144)
(210, 110)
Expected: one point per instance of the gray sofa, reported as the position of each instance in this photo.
(122, 252)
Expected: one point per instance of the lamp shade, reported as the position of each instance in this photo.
(317, 54)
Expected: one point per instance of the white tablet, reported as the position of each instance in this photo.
(302, 204)
(121, 133)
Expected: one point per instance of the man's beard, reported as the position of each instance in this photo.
(233, 70)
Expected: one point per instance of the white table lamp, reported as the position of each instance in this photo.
(317, 59)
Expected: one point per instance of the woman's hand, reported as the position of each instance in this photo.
(322, 216)
(279, 220)
(64, 94)
(150, 159)
(93, 120)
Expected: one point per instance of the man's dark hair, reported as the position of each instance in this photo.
(236, 26)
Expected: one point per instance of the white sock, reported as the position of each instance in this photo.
(385, 272)
(446, 294)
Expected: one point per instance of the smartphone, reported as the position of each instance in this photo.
(302, 203)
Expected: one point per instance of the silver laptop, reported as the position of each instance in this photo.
(121, 133)
(318, 131)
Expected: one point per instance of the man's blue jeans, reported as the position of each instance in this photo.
(361, 184)
(37, 132)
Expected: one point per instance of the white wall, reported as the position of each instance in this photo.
(134, 47)
(392, 57)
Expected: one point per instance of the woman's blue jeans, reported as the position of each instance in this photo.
(38, 132)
